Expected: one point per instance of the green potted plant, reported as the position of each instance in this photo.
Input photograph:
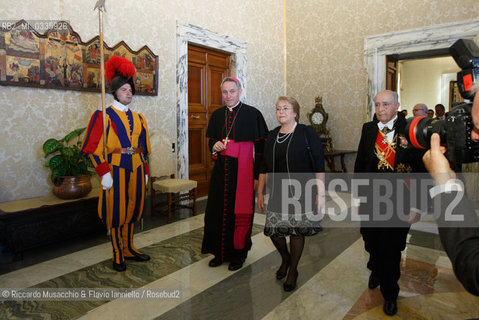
(70, 169)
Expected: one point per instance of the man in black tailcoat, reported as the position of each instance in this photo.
(382, 151)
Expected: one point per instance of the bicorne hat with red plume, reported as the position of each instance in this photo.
(118, 71)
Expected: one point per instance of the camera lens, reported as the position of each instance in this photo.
(420, 129)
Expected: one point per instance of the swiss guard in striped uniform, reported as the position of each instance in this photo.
(124, 172)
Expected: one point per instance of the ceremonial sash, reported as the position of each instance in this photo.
(243, 151)
(385, 152)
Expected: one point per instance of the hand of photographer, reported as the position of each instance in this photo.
(436, 163)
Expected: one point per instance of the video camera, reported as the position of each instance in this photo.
(455, 130)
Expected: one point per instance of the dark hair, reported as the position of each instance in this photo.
(292, 101)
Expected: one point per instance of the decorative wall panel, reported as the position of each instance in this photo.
(58, 59)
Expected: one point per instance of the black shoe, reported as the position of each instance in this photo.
(235, 265)
(139, 257)
(215, 262)
(373, 282)
(390, 307)
(120, 267)
(290, 287)
(280, 275)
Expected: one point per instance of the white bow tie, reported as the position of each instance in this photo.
(382, 126)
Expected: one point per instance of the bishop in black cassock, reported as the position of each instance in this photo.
(229, 210)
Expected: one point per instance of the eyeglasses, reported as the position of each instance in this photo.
(279, 109)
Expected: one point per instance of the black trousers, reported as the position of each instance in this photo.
(384, 246)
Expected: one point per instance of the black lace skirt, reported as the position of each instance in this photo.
(282, 225)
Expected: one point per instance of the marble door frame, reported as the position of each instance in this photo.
(188, 33)
(377, 47)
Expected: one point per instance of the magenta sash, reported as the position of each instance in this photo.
(244, 190)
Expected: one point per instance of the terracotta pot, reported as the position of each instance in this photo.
(72, 187)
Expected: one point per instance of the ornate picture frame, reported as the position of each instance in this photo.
(58, 59)
(454, 94)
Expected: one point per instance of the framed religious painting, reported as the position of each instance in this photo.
(58, 59)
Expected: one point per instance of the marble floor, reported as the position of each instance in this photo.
(332, 281)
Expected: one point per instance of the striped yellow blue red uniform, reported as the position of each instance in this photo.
(126, 197)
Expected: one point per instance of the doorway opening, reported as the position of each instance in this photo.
(427, 77)
(433, 40)
(191, 34)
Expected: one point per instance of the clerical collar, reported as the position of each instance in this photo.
(120, 106)
(230, 109)
(389, 124)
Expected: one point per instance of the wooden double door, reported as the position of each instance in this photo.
(206, 70)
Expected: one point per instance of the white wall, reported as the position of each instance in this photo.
(421, 81)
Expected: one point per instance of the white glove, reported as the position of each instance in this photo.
(146, 179)
(107, 181)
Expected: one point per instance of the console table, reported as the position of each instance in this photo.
(29, 223)
(329, 156)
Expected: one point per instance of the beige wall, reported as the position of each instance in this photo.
(325, 57)
(325, 41)
(30, 116)
(421, 81)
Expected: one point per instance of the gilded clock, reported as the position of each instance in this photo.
(318, 117)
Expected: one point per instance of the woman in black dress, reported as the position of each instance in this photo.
(292, 171)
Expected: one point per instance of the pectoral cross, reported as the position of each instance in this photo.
(225, 141)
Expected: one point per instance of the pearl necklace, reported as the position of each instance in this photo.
(285, 136)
